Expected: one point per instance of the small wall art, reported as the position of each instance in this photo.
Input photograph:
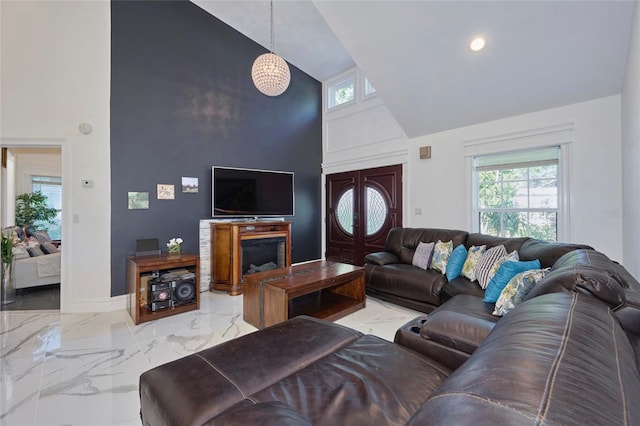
(138, 200)
(189, 185)
(166, 192)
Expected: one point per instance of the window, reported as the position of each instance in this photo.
(517, 193)
(368, 88)
(341, 92)
(51, 187)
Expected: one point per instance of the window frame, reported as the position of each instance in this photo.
(335, 85)
(555, 135)
(524, 164)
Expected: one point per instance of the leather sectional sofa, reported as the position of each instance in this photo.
(569, 354)
(390, 275)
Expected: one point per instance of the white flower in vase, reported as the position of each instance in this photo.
(174, 245)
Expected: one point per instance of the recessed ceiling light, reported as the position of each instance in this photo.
(477, 44)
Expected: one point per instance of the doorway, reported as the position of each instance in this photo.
(362, 207)
(37, 265)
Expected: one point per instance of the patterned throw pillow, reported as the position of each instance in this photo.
(511, 257)
(422, 255)
(517, 289)
(441, 253)
(473, 256)
(35, 251)
(486, 262)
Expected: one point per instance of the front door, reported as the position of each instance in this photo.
(362, 206)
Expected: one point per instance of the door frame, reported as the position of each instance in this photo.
(65, 152)
(355, 166)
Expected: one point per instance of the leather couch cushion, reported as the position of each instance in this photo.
(264, 413)
(510, 244)
(381, 258)
(582, 279)
(460, 285)
(545, 251)
(408, 282)
(368, 382)
(556, 359)
(403, 241)
(462, 323)
(600, 261)
(196, 388)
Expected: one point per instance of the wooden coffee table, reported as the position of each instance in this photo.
(322, 289)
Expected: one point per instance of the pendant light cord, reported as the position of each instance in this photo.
(272, 46)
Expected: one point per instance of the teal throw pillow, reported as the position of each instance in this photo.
(507, 271)
(456, 262)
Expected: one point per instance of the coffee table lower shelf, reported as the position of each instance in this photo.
(324, 305)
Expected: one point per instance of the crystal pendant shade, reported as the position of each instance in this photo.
(270, 74)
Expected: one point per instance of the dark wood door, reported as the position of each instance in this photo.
(362, 206)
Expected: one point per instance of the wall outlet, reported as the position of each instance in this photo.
(418, 211)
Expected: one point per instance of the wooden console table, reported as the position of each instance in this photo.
(226, 250)
(322, 289)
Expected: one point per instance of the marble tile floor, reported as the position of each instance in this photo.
(83, 369)
(43, 297)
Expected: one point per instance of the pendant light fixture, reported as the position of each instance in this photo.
(270, 73)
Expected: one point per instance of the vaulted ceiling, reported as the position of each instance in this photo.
(539, 54)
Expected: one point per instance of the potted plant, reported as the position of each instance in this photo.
(7, 291)
(32, 208)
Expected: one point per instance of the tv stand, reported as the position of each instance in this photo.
(226, 249)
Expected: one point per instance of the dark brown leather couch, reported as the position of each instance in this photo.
(390, 276)
(560, 358)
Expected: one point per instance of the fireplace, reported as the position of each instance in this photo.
(263, 254)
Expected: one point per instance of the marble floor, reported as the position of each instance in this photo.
(83, 369)
(35, 298)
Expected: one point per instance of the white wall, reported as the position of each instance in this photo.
(438, 186)
(35, 161)
(55, 71)
(631, 151)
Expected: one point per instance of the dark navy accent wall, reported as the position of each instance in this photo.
(182, 100)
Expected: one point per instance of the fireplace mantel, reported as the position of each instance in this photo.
(226, 250)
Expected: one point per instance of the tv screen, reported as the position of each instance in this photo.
(250, 192)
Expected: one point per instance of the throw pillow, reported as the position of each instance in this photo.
(517, 289)
(48, 247)
(422, 255)
(456, 262)
(441, 253)
(42, 237)
(20, 252)
(507, 271)
(511, 257)
(35, 251)
(473, 256)
(486, 262)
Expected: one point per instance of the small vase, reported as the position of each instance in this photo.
(7, 287)
(174, 249)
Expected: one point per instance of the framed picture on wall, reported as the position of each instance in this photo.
(138, 200)
(189, 185)
(166, 192)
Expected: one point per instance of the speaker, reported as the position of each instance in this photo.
(184, 291)
(160, 295)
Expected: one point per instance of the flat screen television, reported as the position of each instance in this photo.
(251, 193)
